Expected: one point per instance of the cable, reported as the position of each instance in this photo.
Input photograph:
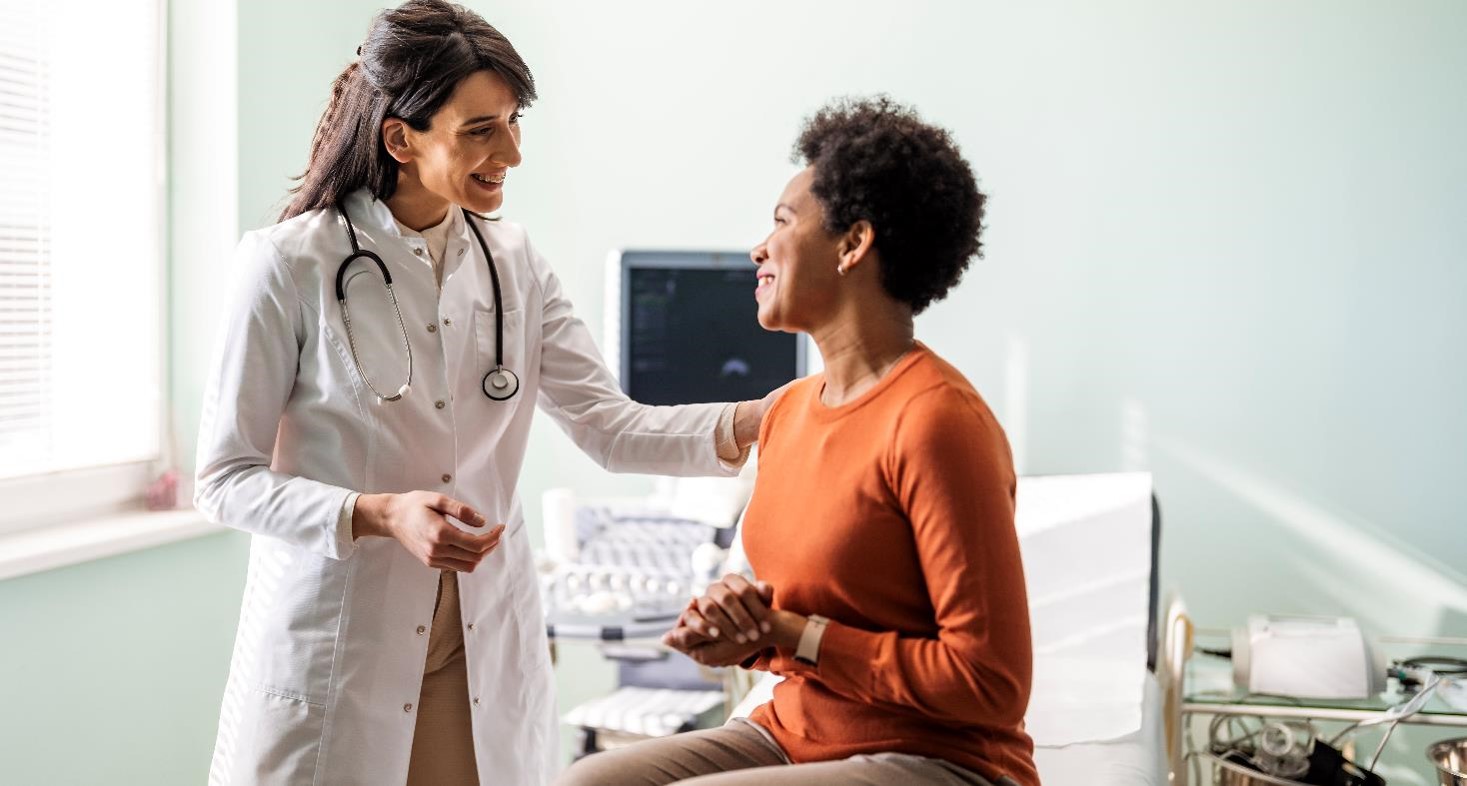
(1393, 716)
(1383, 740)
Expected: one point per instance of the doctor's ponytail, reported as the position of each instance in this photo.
(333, 107)
(413, 58)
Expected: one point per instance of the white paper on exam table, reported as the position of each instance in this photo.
(1086, 545)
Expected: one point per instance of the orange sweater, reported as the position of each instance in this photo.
(893, 516)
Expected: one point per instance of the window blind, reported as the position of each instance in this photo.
(81, 228)
(25, 261)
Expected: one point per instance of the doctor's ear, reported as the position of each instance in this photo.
(396, 139)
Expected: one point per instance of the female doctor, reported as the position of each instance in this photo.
(366, 419)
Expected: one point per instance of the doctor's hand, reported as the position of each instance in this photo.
(749, 416)
(418, 520)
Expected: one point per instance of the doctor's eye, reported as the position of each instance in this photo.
(514, 119)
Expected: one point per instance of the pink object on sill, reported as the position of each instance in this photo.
(162, 494)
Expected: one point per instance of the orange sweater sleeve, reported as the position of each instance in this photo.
(950, 470)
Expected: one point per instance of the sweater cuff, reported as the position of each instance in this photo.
(846, 658)
(759, 661)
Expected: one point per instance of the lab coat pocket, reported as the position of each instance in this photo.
(537, 685)
(271, 740)
(487, 348)
(332, 370)
(376, 333)
(294, 610)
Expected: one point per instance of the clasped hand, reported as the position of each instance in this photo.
(732, 621)
(419, 520)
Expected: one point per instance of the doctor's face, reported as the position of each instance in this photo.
(470, 145)
(797, 283)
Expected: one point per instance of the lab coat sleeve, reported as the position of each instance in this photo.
(250, 382)
(582, 395)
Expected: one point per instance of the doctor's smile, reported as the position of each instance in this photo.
(490, 182)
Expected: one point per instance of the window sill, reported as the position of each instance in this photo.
(57, 546)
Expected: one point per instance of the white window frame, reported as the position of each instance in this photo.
(49, 499)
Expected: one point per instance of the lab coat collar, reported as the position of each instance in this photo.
(371, 213)
(367, 210)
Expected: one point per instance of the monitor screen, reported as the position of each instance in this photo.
(690, 331)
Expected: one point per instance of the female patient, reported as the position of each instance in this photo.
(891, 596)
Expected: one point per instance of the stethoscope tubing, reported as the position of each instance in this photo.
(499, 383)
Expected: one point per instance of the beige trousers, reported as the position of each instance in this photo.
(742, 753)
(443, 740)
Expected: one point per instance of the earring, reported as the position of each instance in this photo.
(840, 269)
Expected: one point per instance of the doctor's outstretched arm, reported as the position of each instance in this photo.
(581, 393)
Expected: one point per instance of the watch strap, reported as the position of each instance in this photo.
(808, 650)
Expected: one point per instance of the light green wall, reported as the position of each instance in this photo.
(289, 54)
(113, 670)
(1224, 244)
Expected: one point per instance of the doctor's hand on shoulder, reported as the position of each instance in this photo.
(749, 415)
(419, 521)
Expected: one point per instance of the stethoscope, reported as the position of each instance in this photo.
(499, 384)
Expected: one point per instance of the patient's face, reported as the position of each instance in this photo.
(797, 280)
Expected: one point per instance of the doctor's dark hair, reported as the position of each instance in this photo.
(876, 160)
(413, 58)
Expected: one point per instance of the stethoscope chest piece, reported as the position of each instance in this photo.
(501, 384)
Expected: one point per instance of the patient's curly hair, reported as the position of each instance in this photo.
(875, 159)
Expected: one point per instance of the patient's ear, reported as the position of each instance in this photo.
(856, 244)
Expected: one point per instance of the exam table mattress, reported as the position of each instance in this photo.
(1136, 759)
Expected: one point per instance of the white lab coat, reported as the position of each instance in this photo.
(332, 637)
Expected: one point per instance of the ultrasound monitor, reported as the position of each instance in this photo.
(684, 329)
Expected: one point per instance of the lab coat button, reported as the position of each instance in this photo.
(422, 629)
(418, 251)
(439, 405)
(471, 626)
(407, 708)
(432, 328)
(476, 701)
(447, 322)
(447, 477)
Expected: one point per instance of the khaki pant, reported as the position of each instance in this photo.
(443, 740)
(743, 754)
